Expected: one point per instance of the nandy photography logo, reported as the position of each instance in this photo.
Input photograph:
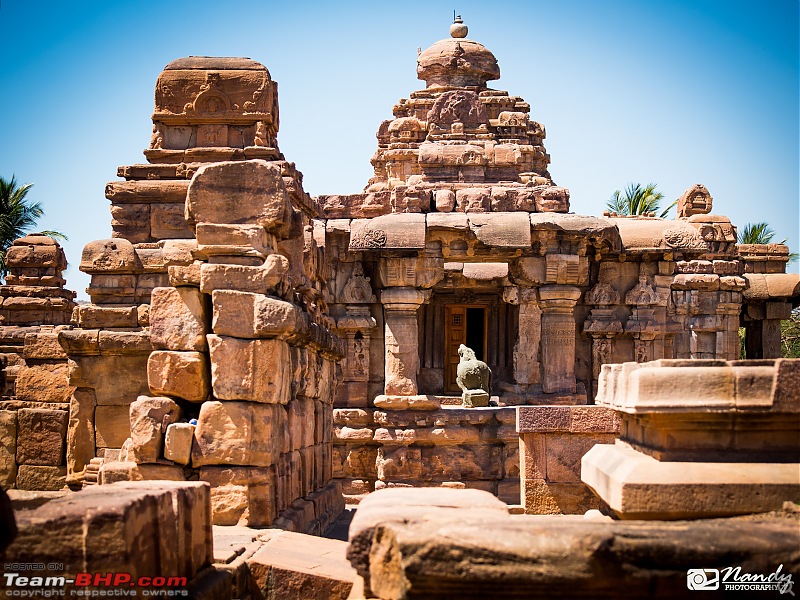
(734, 579)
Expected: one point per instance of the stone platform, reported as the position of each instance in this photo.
(698, 438)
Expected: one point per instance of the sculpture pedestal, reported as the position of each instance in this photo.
(475, 398)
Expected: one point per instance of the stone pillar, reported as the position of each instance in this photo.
(526, 349)
(401, 339)
(558, 337)
(763, 328)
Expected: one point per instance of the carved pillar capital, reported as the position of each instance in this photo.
(555, 297)
(404, 298)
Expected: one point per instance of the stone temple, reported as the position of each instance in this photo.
(296, 353)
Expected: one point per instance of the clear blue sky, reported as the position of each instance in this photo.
(671, 91)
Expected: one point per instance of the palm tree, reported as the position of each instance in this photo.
(638, 200)
(756, 233)
(17, 217)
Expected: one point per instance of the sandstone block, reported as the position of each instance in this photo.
(351, 416)
(637, 486)
(251, 237)
(300, 412)
(257, 370)
(403, 505)
(294, 565)
(248, 315)
(91, 316)
(178, 318)
(244, 278)
(112, 426)
(180, 374)
(564, 453)
(112, 472)
(307, 460)
(445, 200)
(31, 256)
(115, 379)
(178, 442)
(351, 434)
(247, 192)
(43, 383)
(241, 495)
(149, 418)
(184, 520)
(8, 448)
(168, 221)
(40, 477)
(180, 275)
(139, 528)
(41, 436)
(548, 498)
(239, 433)
(500, 556)
(43, 345)
(359, 461)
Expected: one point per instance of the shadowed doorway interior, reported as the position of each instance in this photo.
(464, 324)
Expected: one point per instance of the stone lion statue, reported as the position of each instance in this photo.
(474, 378)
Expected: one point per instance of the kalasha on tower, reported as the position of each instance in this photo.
(455, 134)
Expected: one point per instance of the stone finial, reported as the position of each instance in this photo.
(695, 201)
(458, 29)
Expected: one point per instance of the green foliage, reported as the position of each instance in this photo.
(638, 200)
(18, 216)
(756, 233)
(790, 335)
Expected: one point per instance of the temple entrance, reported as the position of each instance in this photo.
(464, 324)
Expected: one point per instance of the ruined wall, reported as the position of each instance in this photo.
(34, 408)
(206, 352)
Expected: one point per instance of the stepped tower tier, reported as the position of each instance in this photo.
(457, 130)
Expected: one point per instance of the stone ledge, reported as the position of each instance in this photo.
(637, 486)
(573, 419)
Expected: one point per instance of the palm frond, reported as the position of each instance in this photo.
(56, 235)
(637, 199)
(756, 233)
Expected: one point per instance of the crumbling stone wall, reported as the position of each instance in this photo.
(206, 351)
(34, 408)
